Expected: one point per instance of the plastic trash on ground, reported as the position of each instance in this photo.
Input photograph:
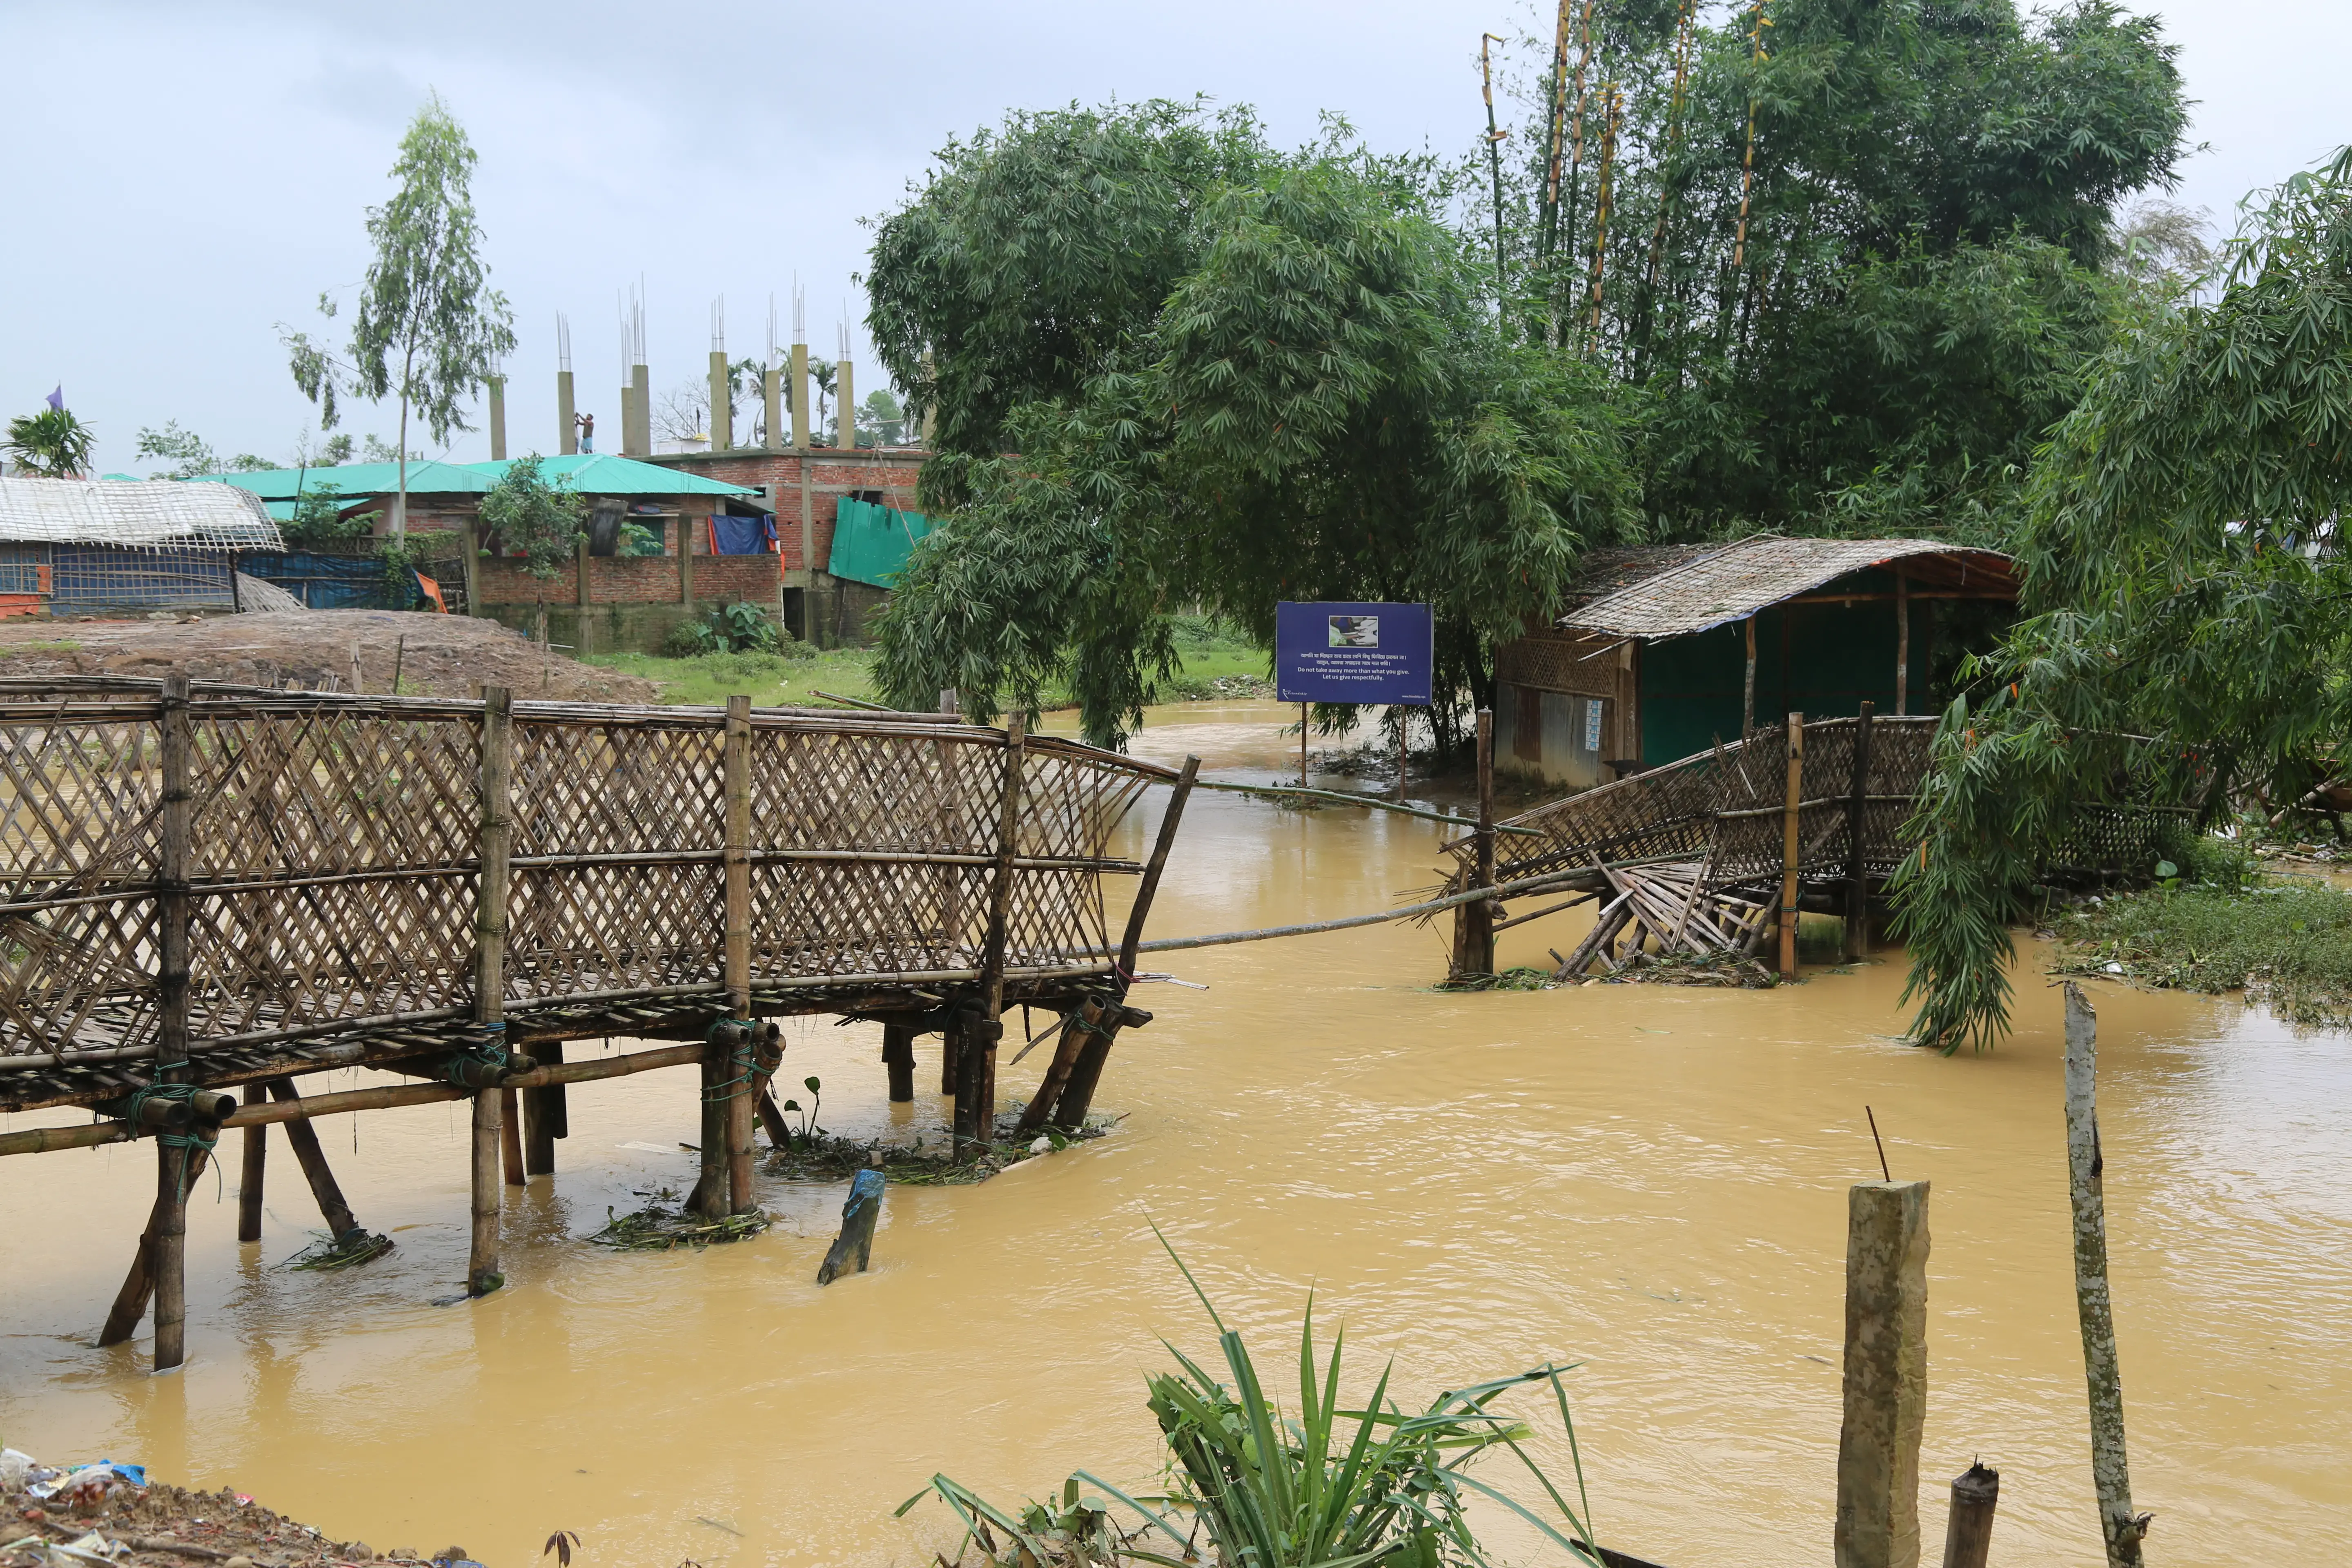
(85, 1484)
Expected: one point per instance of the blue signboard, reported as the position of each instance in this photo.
(1352, 653)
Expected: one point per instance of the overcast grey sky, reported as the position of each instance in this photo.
(187, 175)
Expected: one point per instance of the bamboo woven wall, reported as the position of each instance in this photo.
(333, 863)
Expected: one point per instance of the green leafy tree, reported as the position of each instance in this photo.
(188, 453)
(251, 463)
(1303, 395)
(2185, 582)
(541, 521)
(319, 521)
(429, 329)
(51, 444)
(880, 419)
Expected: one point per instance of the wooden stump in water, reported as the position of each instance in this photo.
(1877, 1524)
(1967, 1535)
(546, 1116)
(510, 1136)
(249, 1185)
(898, 1057)
(855, 1242)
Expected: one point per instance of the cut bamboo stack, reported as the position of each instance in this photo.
(1671, 906)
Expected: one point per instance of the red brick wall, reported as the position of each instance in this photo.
(735, 577)
(830, 474)
(502, 580)
(633, 579)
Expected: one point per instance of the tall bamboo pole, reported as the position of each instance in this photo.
(1668, 167)
(496, 846)
(1567, 224)
(976, 1075)
(2086, 1188)
(1600, 208)
(1494, 154)
(1747, 163)
(1556, 135)
(173, 1174)
(1857, 811)
(737, 862)
(1790, 816)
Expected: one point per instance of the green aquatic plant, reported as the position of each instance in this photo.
(1322, 1486)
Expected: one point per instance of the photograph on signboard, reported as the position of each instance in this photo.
(1355, 631)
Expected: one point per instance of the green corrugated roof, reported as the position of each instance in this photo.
(357, 480)
(600, 474)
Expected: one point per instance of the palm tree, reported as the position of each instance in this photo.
(51, 444)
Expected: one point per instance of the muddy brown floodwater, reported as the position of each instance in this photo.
(1650, 1181)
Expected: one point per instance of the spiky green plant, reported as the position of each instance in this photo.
(50, 445)
(1323, 1486)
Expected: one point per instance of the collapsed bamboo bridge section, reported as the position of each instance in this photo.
(1705, 858)
(214, 888)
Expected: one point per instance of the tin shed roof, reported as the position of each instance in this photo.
(1695, 592)
(137, 514)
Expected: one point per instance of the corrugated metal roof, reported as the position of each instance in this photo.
(357, 480)
(600, 474)
(1698, 591)
(139, 514)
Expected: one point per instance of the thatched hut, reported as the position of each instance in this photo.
(124, 547)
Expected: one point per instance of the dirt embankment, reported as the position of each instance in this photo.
(438, 655)
(164, 1527)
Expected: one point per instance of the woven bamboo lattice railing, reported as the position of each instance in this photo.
(1726, 808)
(333, 861)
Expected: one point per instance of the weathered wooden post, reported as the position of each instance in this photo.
(1968, 1532)
(1886, 1376)
(174, 1149)
(976, 1077)
(2086, 1187)
(303, 1139)
(496, 846)
(1473, 922)
(510, 1136)
(1792, 816)
(1076, 1096)
(248, 1182)
(546, 1115)
(898, 1057)
(1857, 818)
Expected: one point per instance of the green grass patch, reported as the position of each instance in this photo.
(2286, 943)
(772, 680)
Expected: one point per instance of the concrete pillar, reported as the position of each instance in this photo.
(1886, 1376)
(498, 419)
(772, 387)
(844, 406)
(626, 434)
(799, 384)
(722, 407)
(567, 435)
(641, 410)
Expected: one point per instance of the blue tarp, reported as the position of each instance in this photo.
(328, 581)
(742, 535)
(92, 577)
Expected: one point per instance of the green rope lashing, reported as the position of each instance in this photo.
(739, 1060)
(488, 1051)
(194, 1138)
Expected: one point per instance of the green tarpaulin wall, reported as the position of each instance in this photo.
(871, 544)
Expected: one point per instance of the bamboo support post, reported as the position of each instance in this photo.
(1857, 892)
(1481, 913)
(1147, 889)
(303, 1139)
(1791, 851)
(742, 1089)
(1968, 1531)
(1080, 1024)
(1885, 1386)
(249, 1178)
(1902, 642)
(1747, 702)
(139, 1284)
(2119, 1526)
(497, 844)
(976, 1077)
(168, 1255)
(898, 1057)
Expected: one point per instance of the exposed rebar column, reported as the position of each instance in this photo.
(772, 388)
(567, 409)
(845, 401)
(722, 400)
(498, 419)
(799, 382)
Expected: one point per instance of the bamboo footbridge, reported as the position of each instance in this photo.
(1703, 857)
(214, 888)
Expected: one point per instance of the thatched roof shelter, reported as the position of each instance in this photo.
(1678, 590)
(134, 514)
